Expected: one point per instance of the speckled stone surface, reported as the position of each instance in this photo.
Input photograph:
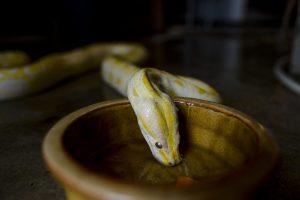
(239, 66)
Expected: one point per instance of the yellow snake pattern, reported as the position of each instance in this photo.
(150, 91)
(19, 78)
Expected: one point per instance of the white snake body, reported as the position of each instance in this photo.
(13, 59)
(17, 81)
(117, 73)
(150, 91)
(156, 115)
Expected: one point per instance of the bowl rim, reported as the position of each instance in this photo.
(69, 173)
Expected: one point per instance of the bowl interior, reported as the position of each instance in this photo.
(108, 142)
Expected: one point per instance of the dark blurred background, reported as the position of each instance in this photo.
(234, 45)
(61, 24)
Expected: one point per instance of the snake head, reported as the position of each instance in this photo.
(157, 117)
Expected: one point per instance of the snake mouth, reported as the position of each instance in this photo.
(167, 159)
(175, 162)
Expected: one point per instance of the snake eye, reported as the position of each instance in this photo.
(158, 145)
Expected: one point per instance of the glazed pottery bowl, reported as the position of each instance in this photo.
(98, 152)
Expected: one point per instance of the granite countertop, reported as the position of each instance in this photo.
(239, 66)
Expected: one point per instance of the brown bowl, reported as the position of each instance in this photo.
(98, 152)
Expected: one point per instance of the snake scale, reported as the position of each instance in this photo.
(149, 90)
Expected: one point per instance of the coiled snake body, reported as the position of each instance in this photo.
(150, 91)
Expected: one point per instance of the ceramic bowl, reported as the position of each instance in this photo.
(98, 152)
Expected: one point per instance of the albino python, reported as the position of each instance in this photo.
(150, 91)
(19, 78)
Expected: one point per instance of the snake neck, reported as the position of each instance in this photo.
(156, 115)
